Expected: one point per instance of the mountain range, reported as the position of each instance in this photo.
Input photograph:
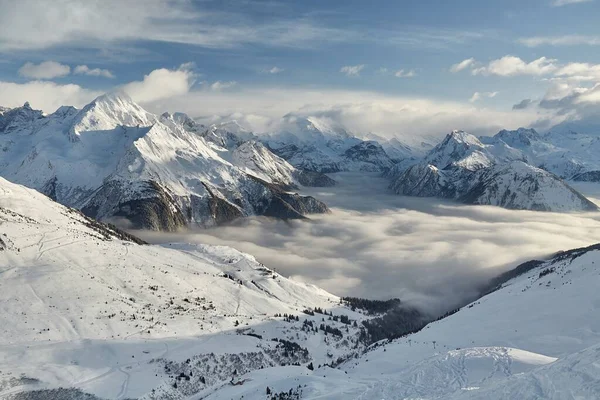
(117, 162)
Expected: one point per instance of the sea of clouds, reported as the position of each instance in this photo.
(374, 244)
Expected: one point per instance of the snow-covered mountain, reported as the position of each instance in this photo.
(113, 159)
(565, 153)
(315, 144)
(489, 171)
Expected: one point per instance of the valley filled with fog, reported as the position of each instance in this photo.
(431, 253)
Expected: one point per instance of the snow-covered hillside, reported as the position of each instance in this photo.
(488, 171)
(85, 306)
(532, 337)
(114, 159)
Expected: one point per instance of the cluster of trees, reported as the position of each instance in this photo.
(330, 330)
(395, 323)
(292, 394)
(238, 281)
(372, 307)
(547, 271)
(288, 318)
(290, 348)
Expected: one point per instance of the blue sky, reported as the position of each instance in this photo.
(232, 54)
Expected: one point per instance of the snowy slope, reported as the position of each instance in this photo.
(521, 186)
(533, 337)
(84, 309)
(114, 159)
(488, 171)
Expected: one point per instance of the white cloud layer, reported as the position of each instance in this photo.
(358, 111)
(44, 95)
(379, 245)
(44, 70)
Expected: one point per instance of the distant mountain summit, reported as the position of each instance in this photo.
(463, 168)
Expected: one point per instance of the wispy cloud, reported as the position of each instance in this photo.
(479, 95)
(507, 66)
(93, 24)
(462, 65)
(560, 3)
(44, 70)
(566, 40)
(523, 104)
(405, 73)
(219, 85)
(512, 66)
(85, 70)
(352, 70)
(274, 70)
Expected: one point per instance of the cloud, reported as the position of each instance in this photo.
(358, 111)
(44, 95)
(85, 70)
(352, 70)
(429, 253)
(469, 62)
(478, 95)
(579, 72)
(509, 66)
(513, 66)
(566, 40)
(523, 104)
(274, 70)
(405, 74)
(34, 25)
(560, 3)
(161, 84)
(218, 85)
(44, 70)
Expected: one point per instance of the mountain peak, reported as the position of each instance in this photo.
(110, 110)
(518, 138)
(115, 97)
(462, 137)
(14, 118)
